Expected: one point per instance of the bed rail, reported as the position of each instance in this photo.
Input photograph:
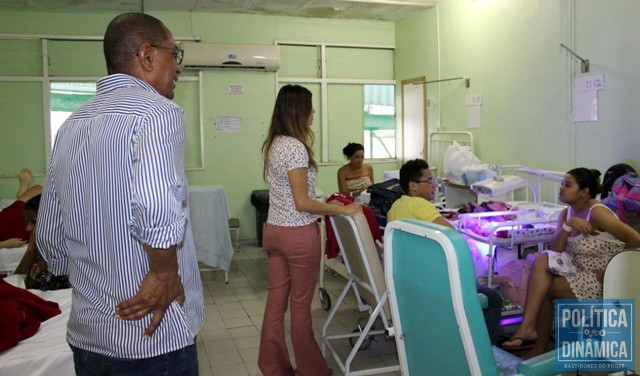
(541, 185)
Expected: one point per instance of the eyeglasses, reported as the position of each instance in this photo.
(177, 53)
(428, 181)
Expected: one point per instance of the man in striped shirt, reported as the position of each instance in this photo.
(114, 213)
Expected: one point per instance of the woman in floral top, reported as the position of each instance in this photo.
(292, 237)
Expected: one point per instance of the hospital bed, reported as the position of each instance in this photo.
(437, 319)
(365, 277)
(10, 257)
(439, 141)
(47, 352)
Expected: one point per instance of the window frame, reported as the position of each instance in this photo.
(45, 79)
(324, 83)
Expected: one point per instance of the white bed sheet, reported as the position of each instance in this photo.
(10, 258)
(47, 352)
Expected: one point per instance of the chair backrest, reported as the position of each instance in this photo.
(361, 258)
(621, 281)
(437, 319)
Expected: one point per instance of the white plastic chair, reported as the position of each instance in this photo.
(366, 279)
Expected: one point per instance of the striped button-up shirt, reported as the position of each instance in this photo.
(116, 181)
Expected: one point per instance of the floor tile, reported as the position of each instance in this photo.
(225, 358)
(247, 342)
(229, 341)
(247, 331)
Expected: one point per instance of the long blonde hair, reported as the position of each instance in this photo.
(290, 118)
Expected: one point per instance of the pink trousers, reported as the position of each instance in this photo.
(294, 262)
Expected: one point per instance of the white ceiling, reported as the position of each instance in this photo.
(349, 9)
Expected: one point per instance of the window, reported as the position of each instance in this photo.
(379, 121)
(66, 97)
(341, 86)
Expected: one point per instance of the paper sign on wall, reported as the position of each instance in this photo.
(236, 89)
(585, 97)
(474, 106)
(228, 123)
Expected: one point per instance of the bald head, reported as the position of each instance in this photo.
(124, 36)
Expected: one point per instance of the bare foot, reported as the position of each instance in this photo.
(24, 177)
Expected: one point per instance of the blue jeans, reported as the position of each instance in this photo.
(179, 362)
(492, 313)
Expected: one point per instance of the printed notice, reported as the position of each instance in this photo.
(228, 123)
(236, 90)
(585, 97)
(474, 110)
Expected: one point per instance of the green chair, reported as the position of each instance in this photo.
(437, 318)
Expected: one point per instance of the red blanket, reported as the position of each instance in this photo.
(22, 313)
(333, 250)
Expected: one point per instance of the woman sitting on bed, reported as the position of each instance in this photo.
(588, 235)
(356, 176)
(32, 265)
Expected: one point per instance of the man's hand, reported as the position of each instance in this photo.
(155, 294)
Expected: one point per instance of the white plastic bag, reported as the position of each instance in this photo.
(456, 159)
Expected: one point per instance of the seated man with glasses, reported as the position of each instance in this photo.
(419, 187)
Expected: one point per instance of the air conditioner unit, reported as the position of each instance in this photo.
(231, 56)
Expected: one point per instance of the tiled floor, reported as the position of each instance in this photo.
(229, 339)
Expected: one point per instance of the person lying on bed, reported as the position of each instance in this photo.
(12, 232)
(419, 188)
(32, 265)
(574, 267)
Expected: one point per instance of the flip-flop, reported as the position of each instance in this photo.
(525, 344)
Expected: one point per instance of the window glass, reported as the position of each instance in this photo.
(356, 63)
(379, 121)
(346, 85)
(300, 61)
(21, 57)
(76, 59)
(66, 97)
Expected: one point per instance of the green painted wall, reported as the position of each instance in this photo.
(510, 49)
(511, 52)
(232, 159)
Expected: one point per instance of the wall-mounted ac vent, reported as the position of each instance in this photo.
(231, 56)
